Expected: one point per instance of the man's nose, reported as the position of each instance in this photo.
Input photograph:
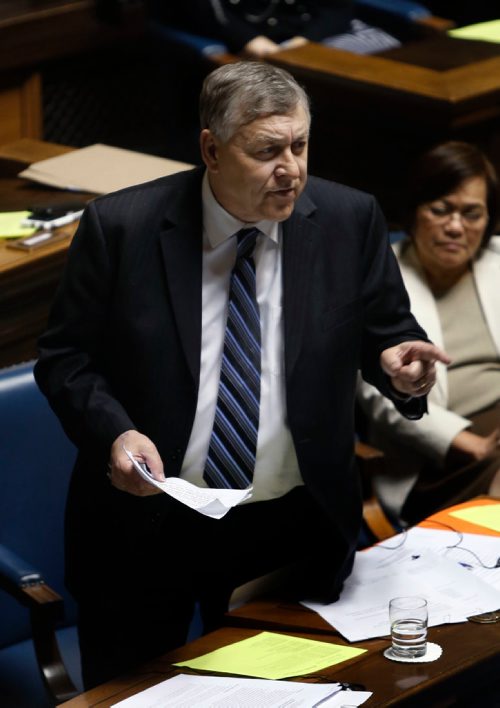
(288, 165)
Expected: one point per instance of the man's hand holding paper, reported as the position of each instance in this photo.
(136, 476)
(124, 475)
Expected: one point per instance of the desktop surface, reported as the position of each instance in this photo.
(467, 671)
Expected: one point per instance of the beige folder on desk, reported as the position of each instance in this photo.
(100, 169)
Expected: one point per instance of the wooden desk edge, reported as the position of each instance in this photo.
(451, 86)
(29, 150)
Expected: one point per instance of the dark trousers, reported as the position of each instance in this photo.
(197, 559)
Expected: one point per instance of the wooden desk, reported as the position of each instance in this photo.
(373, 114)
(28, 280)
(468, 665)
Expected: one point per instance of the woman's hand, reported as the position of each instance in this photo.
(475, 447)
(259, 47)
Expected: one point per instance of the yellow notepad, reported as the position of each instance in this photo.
(487, 515)
(483, 31)
(10, 224)
(273, 656)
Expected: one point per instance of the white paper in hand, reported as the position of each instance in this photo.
(210, 502)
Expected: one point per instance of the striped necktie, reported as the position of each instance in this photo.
(231, 454)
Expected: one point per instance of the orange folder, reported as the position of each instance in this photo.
(444, 517)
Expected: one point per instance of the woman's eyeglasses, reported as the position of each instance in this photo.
(442, 212)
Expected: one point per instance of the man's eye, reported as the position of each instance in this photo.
(298, 147)
(266, 152)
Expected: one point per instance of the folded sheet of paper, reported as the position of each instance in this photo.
(210, 502)
(100, 169)
(10, 224)
(452, 592)
(273, 656)
(220, 692)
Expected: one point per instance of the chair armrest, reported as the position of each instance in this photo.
(436, 24)
(406, 9)
(27, 586)
(370, 460)
(15, 571)
(405, 12)
(205, 46)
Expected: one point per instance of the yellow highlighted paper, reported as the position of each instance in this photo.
(484, 31)
(10, 224)
(273, 656)
(487, 515)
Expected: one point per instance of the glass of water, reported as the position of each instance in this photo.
(408, 617)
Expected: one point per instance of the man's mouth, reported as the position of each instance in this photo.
(283, 192)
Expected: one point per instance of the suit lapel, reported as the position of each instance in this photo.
(300, 246)
(181, 244)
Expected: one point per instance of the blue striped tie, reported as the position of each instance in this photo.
(231, 454)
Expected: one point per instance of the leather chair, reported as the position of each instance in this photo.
(39, 655)
(37, 617)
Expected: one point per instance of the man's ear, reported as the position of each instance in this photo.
(209, 151)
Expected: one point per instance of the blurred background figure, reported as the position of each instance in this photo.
(256, 28)
(450, 264)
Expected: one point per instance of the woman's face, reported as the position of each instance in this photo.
(447, 232)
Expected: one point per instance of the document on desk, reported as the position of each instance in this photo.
(101, 169)
(484, 513)
(10, 224)
(487, 515)
(185, 691)
(483, 31)
(270, 655)
(452, 592)
(478, 554)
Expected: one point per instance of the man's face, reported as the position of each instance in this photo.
(261, 171)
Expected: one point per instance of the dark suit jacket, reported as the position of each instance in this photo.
(122, 349)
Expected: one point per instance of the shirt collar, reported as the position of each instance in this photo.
(219, 225)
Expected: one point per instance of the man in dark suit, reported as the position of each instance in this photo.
(132, 355)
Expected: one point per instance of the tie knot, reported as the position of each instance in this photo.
(247, 239)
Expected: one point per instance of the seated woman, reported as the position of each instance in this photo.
(256, 28)
(450, 264)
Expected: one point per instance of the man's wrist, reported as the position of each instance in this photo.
(399, 395)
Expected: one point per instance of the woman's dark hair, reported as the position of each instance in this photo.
(441, 170)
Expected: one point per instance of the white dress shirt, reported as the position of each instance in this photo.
(276, 466)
